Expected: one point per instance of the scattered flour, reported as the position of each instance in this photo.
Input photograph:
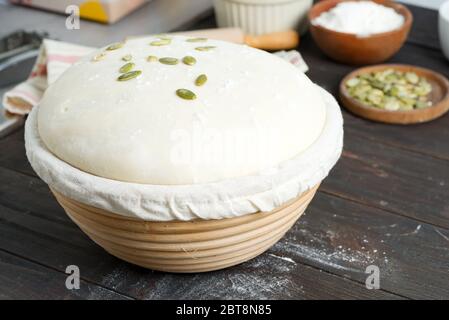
(441, 234)
(412, 233)
(233, 283)
(283, 258)
(115, 277)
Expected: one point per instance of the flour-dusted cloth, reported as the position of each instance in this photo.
(295, 58)
(53, 59)
(56, 56)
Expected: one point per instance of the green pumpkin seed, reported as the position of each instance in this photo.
(169, 60)
(200, 80)
(99, 57)
(406, 106)
(352, 82)
(127, 57)
(391, 90)
(392, 104)
(152, 59)
(127, 67)
(423, 104)
(206, 48)
(162, 42)
(115, 46)
(186, 94)
(412, 77)
(197, 40)
(189, 60)
(129, 75)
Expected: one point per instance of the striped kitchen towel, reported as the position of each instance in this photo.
(56, 56)
(53, 59)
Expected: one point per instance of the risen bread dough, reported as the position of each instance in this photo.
(254, 112)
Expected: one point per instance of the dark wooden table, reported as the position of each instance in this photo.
(386, 204)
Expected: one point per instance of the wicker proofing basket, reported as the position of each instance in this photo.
(186, 246)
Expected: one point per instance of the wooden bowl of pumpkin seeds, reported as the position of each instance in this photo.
(394, 93)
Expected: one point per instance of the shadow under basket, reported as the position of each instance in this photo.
(186, 246)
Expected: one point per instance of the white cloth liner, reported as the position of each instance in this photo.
(224, 199)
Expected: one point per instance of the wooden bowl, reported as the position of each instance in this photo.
(354, 50)
(439, 97)
(186, 246)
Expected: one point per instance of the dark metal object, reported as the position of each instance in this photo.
(18, 52)
(9, 123)
(18, 42)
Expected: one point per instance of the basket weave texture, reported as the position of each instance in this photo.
(186, 246)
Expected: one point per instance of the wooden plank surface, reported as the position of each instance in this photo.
(336, 235)
(386, 203)
(428, 138)
(22, 279)
(403, 182)
(46, 235)
(425, 20)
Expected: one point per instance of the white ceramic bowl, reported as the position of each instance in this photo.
(444, 28)
(258, 17)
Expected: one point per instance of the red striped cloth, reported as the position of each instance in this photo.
(53, 59)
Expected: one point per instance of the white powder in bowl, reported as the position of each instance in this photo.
(362, 18)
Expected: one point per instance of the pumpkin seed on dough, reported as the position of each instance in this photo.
(200, 80)
(205, 48)
(129, 75)
(127, 67)
(152, 59)
(186, 94)
(189, 60)
(127, 57)
(169, 60)
(115, 46)
(162, 42)
(197, 40)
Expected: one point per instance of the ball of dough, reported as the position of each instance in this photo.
(254, 111)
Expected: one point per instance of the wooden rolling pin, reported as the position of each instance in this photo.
(271, 41)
